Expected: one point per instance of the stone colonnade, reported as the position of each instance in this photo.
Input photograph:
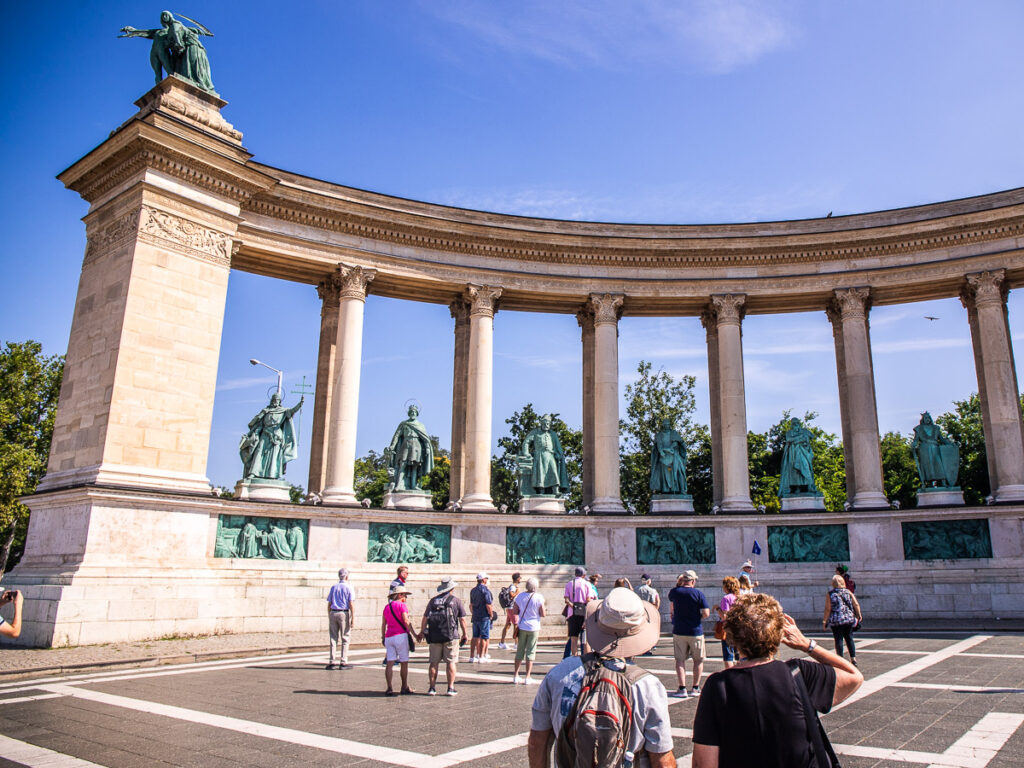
(332, 458)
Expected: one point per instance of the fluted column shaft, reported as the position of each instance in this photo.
(460, 374)
(606, 309)
(341, 457)
(320, 438)
(482, 306)
(586, 320)
(984, 296)
(861, 447)
(728, 311)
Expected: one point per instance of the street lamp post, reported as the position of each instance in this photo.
(279, 374)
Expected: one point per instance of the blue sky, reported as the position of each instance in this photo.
(643, 111)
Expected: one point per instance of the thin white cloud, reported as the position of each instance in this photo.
(917, 345)
(716, 36)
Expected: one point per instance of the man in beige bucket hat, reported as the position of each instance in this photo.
(619, 627)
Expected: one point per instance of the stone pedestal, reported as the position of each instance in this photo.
(407, 500)
(809, 503)
(940, 497)
(262, 489)
(681, 504)
(542, 505)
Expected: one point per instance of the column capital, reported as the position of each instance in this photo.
(606, 307)
(459, 309)
(353, 281)
(984, 288)
(709, 320)
(727, 308)
(585, 318)
(329, 289)
(482, 299)
(849, 303)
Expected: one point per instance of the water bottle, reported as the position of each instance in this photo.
(627, 759)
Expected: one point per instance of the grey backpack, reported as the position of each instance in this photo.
(596, 731)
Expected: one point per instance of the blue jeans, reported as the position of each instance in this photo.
(482, 629)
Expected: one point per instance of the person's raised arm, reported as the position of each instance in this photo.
(848, 677)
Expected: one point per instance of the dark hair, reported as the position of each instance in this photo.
(622, 581)
(594, 577)
(581, 571)
(754, 625)
(516, 576)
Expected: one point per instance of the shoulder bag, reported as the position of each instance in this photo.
(824, 755)
(408, 634)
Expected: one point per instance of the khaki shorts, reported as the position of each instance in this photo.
(446, 652)
(688, 647)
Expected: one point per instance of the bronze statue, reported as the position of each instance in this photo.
(177, 50)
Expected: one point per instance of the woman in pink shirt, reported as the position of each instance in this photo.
(394, 633)
(731, 590)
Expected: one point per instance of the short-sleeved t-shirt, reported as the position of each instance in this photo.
(762, 704)
(480, 600)
(340, 597)
(727, 602)
(687, 604)
(558, 691)
(648, 593)
(392, 614)
(456, 604)
(529, 604)
(578, 591)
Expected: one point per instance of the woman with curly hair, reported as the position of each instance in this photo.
(730, 592)
(753, 713)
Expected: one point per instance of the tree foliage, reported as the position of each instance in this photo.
(29, 387)
(505, 481)
(899, 471)
(371, 478)
(653, 397)
(963, 425)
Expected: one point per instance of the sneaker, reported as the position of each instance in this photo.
(343, 665)
(695, 692)
(517, 680)
(474, 660)
(502, 646)
(452, 692)
(485, 658)
(431, 692)
(329, 666)
(681, 693)
(530, 681)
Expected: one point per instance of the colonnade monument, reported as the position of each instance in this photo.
(127, 541)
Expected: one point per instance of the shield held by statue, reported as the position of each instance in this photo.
(949, 455)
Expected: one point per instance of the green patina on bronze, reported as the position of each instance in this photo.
(937, 457)
(271, 442)
(668, 463)
(946, 539)
(545, 546)
(541, 463)
(394, 543)
(177, 50)
(807, 543)
(675, 546)
(267, 538)
(410, 454)
(797, 476)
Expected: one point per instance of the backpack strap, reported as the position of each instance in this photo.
(825, 756)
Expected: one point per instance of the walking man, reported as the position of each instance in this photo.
(577, 595)
(340, 611)
(649, 594)
(442, 621)
(511, 617)
(689, 608)
(480, 601)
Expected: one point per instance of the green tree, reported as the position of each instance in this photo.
(29, 387)
(371, 478)
(505, 481)
(700, 480)
(899, 472)
(653, 397)
(296, 493)
(439, 480)
(963, 425)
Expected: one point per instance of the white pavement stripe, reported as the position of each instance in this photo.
(876, 684)
(485, 750)
(290, 735)
(897, 755)
(895, 653)
(682, 733)
(983, 742)
(22, 699)
(954, 687)
(996, 655)
(39, 757)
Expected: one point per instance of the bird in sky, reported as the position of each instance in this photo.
(929, 317)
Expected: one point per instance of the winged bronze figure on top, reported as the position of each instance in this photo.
(177, 50)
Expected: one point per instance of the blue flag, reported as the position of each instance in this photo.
(757, 548)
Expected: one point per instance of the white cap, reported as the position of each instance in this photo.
(481, 576)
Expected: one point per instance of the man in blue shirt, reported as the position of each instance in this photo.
(689, 608)
(340, 611)
(480, 600)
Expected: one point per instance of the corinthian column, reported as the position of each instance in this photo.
(585, 317)
(984, 296)
(606, 309)
(848, 312)
(709, 320)
(341, 453)
(457, 474)
(327, 290)
(728, 310)
(482, 306)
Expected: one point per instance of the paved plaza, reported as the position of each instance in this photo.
(929, 700)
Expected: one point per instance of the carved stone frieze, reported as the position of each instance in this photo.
(122, 230)
(162, 228)
(850, 302)
(607, 307)
(985, 288)
(353, 281)
(483, 299)
(729, 308)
